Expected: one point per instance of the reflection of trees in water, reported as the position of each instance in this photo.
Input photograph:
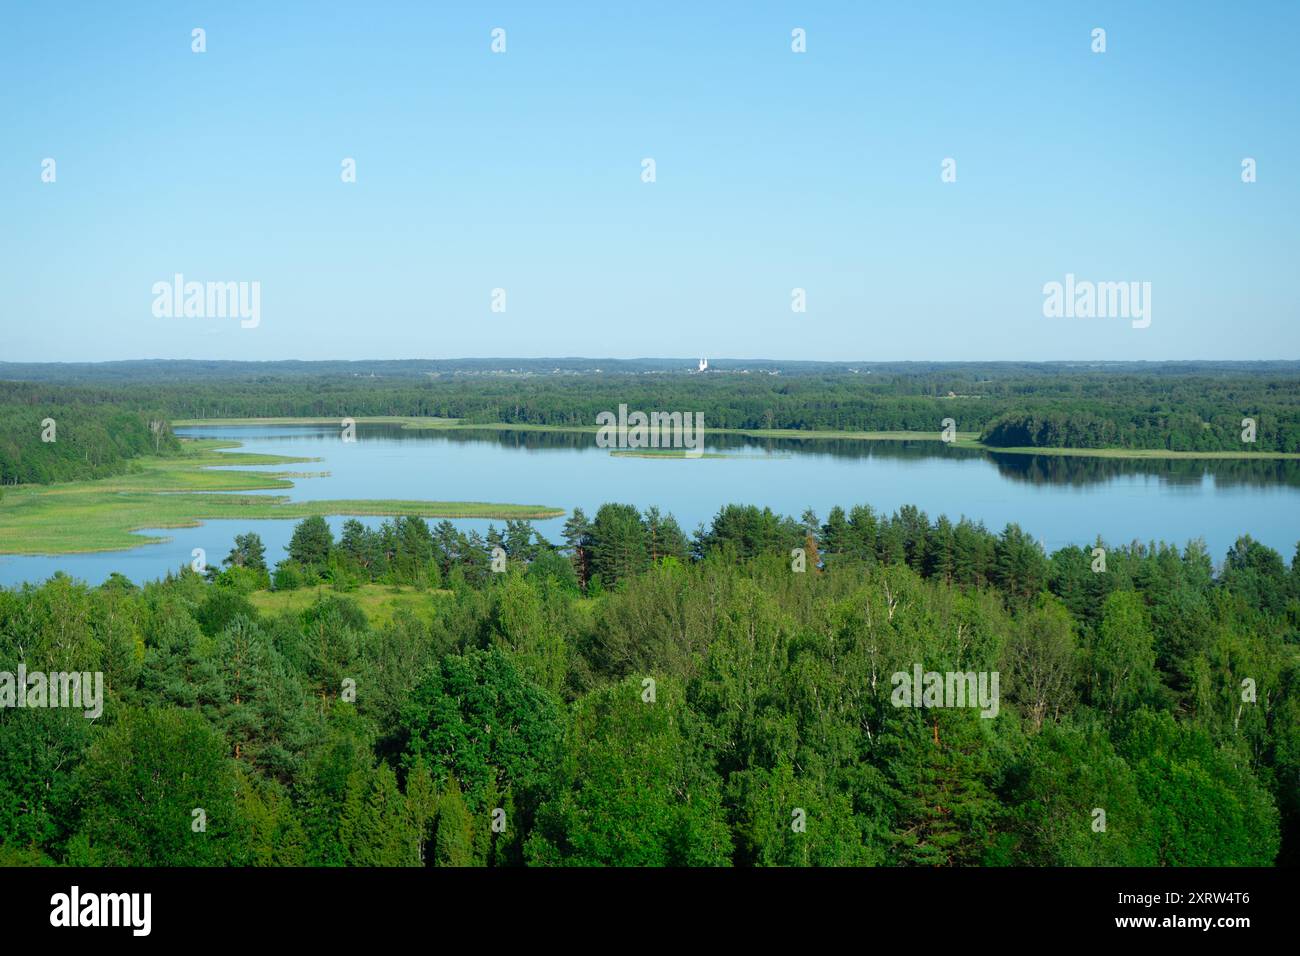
(523, 440)
(1034, 469)
(716, 442)
(839, 447)
(1080, 470)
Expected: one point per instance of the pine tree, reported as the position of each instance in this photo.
(618, 545)
(421, 804)
(862, 534)
(940, 551)
(453, 843)
(384, 834)
(311, 543)
(665, 536)
(519, 540)
(248, 552)
(1019, 563)
(577, 539)
(835, 533)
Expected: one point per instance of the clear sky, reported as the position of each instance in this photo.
(774, 170)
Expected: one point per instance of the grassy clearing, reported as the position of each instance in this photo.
(182, 492)
(380, 602)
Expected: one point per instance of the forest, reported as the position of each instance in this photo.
(634, 695)
(50, 434)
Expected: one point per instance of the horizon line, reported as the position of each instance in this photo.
(644, 359)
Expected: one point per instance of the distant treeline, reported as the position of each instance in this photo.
(635, 697)
(48, 434)
(1186, 407)
(1274, 425)
(191, 371)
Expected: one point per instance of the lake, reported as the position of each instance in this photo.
(1060, 500)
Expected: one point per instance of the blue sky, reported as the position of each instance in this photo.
(775, 170)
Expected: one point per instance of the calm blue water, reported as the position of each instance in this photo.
(1059, 500)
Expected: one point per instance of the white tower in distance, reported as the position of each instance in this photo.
(704, 365)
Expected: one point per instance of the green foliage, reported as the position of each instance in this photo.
(1207, 808)
(220, 608)
(479, 719)
(453, 843)
(628, 792)
(1053, 794)
(275, 834)
(311, 543)
(288, 576)
(618, 543)
(1123, 656)
(747, 531)
(39, 752)
(140, 785)
(248, 552)
(90, 439)
(683, 704)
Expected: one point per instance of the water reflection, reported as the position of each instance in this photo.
(1033, 469)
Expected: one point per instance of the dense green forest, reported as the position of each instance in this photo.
(1190, 412)
(50, 433)
(633, 695)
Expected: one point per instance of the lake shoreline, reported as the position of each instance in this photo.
(167, 506)
(183, 491)
(968, 440)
